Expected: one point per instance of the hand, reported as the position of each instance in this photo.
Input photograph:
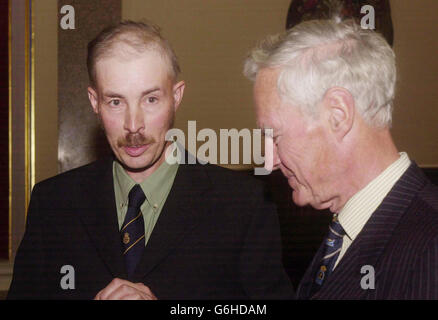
(119, 289)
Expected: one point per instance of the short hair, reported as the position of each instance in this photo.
(317, 55)
(140, 36)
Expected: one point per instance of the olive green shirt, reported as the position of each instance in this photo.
(156, 187)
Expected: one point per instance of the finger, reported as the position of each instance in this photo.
(128, 291)
(137, 295)
(119, 288)
(134, 296)
(145, 289)
(122, 291)
(111, 287)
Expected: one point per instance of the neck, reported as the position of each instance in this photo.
(368, 159)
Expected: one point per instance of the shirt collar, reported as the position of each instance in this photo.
(155, 186)
(361, 206)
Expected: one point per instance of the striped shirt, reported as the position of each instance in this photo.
(359, 208)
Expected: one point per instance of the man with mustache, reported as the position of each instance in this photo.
(136, 226)
(326, 90)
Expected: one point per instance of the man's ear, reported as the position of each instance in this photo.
(339, 105)
(92, 96)
(178, 92)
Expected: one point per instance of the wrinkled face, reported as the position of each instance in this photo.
(301, 144)
(136, 101)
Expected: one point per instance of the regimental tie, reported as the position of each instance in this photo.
(132, 231)
(333, 246)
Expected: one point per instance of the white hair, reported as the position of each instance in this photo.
(317, 55)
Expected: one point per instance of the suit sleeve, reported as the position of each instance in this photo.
(261, 267)
(28, 278)
(425, 276)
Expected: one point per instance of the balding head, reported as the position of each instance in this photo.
(130, 38)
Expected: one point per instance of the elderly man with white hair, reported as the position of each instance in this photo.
(326, 89)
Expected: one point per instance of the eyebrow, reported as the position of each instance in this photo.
(111, 94)
(146, 92)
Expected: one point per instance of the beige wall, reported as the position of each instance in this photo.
(212, 38)
(46, 88)
(416, 108)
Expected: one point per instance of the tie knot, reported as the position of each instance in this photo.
(136, 197)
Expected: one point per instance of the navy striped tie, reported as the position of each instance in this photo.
(132, 231)
(332, 248)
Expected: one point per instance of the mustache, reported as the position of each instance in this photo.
(134, 139)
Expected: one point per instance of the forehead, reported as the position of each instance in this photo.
(266, 81)
(124, 66)
(265, 89)
(266, 97)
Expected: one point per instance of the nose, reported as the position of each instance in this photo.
(134, 119)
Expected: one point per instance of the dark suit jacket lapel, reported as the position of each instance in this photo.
(183, 207)
(99, 215)
(371, 241)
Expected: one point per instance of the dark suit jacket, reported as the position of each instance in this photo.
(217, 237)
(400, 241)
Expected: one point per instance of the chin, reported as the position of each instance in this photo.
(138, 165)
(301, 200)
(322, 206)
(298, 200)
